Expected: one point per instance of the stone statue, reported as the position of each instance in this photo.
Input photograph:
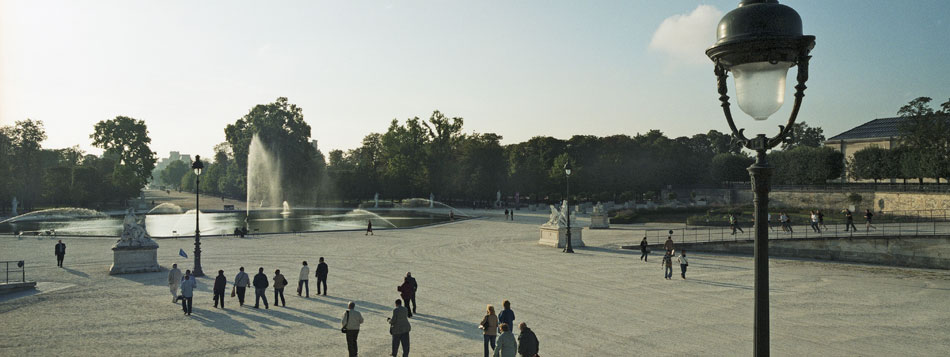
(598, 208)
(558, 218)
(134, 233)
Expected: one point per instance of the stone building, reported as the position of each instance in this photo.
(883, 133)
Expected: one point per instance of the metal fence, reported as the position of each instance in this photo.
(19, 267)
(887, 226)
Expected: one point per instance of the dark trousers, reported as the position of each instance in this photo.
(411, 299)
(303, 285)
(186, 304)
(668, 272)
(489, 339)
(351, 342)
(59, 259)
(849, 224)
(258, 295)
(404, 339)
(219, 297)
(683, 270)
(240, 294)
(323, 281)
(279, 293)
(643, 255)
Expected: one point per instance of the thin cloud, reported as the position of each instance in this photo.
(684, 37)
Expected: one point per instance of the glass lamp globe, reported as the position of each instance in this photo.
(198, 171)
(760, 87)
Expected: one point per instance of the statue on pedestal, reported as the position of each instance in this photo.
(135, 251)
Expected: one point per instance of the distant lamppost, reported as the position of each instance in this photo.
(567, 202)
(759, 41)
(197, 166)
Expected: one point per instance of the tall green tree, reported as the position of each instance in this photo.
(172, 173)
(926, 133)
(127, 139)
(804, 135)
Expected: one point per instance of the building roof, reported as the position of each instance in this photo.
(877, 128)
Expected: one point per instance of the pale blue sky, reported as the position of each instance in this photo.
(516, 68)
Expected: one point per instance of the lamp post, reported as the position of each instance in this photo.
(197, 166)
(759, 41)
(567, 202)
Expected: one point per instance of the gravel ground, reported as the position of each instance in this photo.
(600, 301)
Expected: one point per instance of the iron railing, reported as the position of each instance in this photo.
(19, 265)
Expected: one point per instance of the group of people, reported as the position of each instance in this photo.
(667, 262)
(509, 214)
(505, 344)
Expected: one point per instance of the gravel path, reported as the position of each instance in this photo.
(600, 301)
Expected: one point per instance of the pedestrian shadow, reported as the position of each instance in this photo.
(306, 320)
(222, 322)
(263, 320)
(607, 250)
(360, 304)
(726, 285)
(459, 328)
(76, 272)
(154, 278)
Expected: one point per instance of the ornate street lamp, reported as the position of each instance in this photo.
(758, 42)
(197, 166)
(567, 175)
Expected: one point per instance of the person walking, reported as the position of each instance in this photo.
(260, 288)
(668, 265)
(849, 220)
(303, 280)
(412, 297)
(174, 279)
(644, 250)
(241, 282)
(351, 327)
(369, 227)
(788, 223)
(507, 315)
(768, 221)
(683, 263)
(512, 214)
(506, 214)
(279, 283)
(527, 341)
(821, 220)
(781, 220)
(814, 222)
(734, 224)
(489, 326)
(668, 245)
(220, 283)
(407, 293)
(867, 220)
(322, 272)
(399, 328)
(507, 346)
(60, 251)
(188, 286)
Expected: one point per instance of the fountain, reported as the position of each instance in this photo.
(166, 208)
(376, 200)
(263, 175)
(14, 204)
(56, 214)
(361, 214)
(286, 211)
(431, 199)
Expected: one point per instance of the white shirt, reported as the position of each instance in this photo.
(304, 273)
(353, 321)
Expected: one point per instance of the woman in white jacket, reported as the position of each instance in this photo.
(683, 263)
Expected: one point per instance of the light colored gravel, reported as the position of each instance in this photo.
(600, 301)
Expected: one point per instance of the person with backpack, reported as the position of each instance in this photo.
(279, 283)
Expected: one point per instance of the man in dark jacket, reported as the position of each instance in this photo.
(527, 342)
(643, 250)
(220, 282)
(60, 252)
(322, 271)
(260, 289)
(412, 295)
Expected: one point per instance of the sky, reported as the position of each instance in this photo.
(516, 68)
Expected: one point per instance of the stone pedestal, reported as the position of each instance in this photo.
(126, 260)
(599, 220)
(557, 236)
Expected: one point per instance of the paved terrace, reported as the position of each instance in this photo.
(600, 301)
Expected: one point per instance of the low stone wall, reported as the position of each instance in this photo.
(915, 252)
(909, 203)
